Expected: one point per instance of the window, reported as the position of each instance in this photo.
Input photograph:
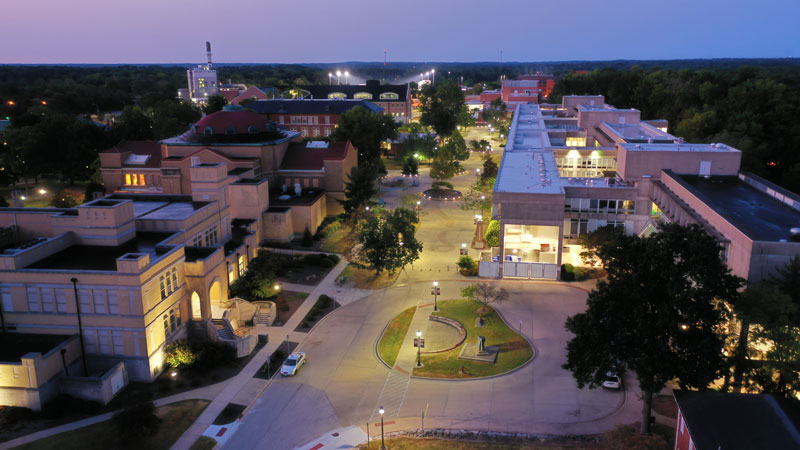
(113, 303)
(175, 278)
(104, 341)
(389, 96)
(168, 282)
(338, 95)
(165, 322)
(135, 179)
(242, 264)
(8, 303)
(61, 301)
(327, 120)
(578, 226)
(99, 297)
(90, 340)
(363, 96)
(231, 274)
(211, 236)
(119, 344)
(34, 300)
(48, 305)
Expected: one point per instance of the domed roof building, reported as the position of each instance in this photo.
(233, 124)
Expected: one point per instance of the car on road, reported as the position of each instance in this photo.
(293, 363)
(612, 381)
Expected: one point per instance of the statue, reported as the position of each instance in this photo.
(481, 344)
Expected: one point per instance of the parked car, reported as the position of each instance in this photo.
(612, 381)
(293, 363)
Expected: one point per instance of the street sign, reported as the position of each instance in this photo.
(416, 342)
(422, 343)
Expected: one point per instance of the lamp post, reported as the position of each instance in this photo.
(346, 77)
(383, 444)
(435, 291)
(80, 325)
(338, 74)
(42, 192)
(419, 348)
(330, 78)
(433, 76)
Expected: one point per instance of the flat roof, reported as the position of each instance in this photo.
(757, 214)
(101, 257)
(639, 132)
(532, 172)
(170, 211)
(14, 346)
(719, 420)
(680, 147)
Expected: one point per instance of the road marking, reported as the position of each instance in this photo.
(221, 431)
(316, 447)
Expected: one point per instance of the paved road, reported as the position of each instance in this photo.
(341, 385)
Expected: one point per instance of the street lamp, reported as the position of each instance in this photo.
(419, 347)
(346, 77)
(435, 291)
(433, 73)
(42, 192)
(338, 74)
(330, 78)
(383, 444)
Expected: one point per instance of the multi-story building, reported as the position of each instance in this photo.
(202, 81)
(395, 99)
(248, 146)
(571, 168)
(311, 118)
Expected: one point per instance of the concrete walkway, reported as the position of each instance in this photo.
(243, 388)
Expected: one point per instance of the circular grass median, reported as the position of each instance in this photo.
(514, 349)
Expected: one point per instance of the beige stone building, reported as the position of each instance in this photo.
(571, 168)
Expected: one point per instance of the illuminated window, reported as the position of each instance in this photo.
(141, 179)
(336, 95)
(576, 142)
(128, 179)
(242, 264)
(363, 96)
(389, 96)
(231, 274)
(201, 83)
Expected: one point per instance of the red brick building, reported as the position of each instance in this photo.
(395, 99)
(311, 118)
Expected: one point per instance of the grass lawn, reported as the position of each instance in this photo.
(408, 443)
(514, 349)
(392, 339)
(366, 279)
(175, 417)
(392, 163)
(203, 443)
(340, 241)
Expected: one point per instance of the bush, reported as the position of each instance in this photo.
(64, 403)
(308, 239)
(334, 258)
(492, 235)
(179, 354)
(567, 275)
(213, 354)
(324, 301)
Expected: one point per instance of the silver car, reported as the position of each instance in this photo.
(612, 381)
(293, 363)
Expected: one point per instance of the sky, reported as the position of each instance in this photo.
(269, 31)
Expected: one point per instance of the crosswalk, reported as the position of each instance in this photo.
(392, 395)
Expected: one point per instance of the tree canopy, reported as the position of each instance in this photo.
(359, 189)
(659, 313)
(388, 240)
(442, 107)
(366, 130)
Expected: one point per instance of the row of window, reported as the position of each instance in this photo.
(581, 226)
(594, 205)
(315, 132)
(171, 320)
(312, 120)
(135, 179)
(168, 282)
(54, 300)
(237, 270)
(104, 342)
(207, 238)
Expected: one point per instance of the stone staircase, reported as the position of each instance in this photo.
(265, 314)
(223, 332)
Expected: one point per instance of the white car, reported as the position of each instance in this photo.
(612, 381)
(293, 363)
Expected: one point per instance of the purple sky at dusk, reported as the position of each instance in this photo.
(174, 31)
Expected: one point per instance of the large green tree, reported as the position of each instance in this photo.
(388, 240)
(443, 107)
(359, 189)
(366, 130)
(134, 124)
(659, 313)
(446, 163)
(215, 103)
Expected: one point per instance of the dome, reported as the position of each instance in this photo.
(233, 120)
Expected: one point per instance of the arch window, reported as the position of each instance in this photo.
(389, 96)
(252, 129)
(337, 95)
(208, 130)
(363, 96)
(230, 130)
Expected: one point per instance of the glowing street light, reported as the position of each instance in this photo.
(433, 73)
(346, 77)
(419, 348)
(381, 411)
(11, 103)
(330, 78)
(42, 192)
(338, 74)
(435, 291)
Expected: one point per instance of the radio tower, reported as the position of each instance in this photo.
(384, 57)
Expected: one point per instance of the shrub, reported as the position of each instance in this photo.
(334, 258)
(304, 324)
(308, 239)
(324, 301)
(492, 235)
(214, 354)
(566, 274)
(179, 354)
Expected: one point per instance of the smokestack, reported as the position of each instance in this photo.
(208, 53)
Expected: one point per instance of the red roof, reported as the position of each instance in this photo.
(148, 148)
(238, 119)
(299, 157)
(229, 95)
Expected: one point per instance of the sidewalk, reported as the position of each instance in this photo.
(244, 383)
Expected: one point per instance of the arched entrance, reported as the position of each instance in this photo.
(215, 293)
(197, 313)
